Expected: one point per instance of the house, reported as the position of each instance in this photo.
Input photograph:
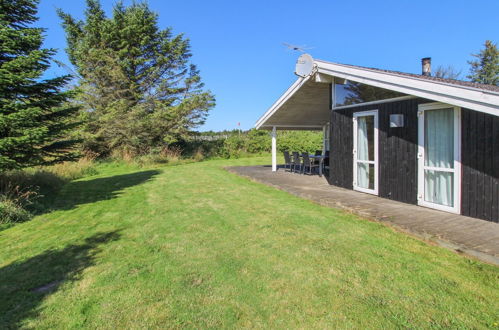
(412, 138)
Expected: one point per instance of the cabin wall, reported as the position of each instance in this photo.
(398, 163)
(480, 165)
(397, 149)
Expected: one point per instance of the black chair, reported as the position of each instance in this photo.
(326, 160)
(287, 160)
(307, 162)
(296, 160)
(317, 153)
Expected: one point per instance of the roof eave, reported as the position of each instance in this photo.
(284, 97)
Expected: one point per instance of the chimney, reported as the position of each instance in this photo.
(426, 64)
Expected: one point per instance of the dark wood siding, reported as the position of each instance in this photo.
(480, 165)
(340, 149)
(397, 149)
(398, 156)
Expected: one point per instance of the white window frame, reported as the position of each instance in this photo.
(393, 99)
(457, 157)
(325, 138)
(376, 149)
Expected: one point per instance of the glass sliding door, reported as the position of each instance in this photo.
(365, 152)
(439, 167)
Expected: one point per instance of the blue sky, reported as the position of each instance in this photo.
(237, 45)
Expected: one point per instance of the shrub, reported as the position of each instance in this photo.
(13, 202)
(24, 192)
(234, 146)
(73, 170)
(171, 153)
(10, 212)
(258, 141)
(198, 155)
(302, 141)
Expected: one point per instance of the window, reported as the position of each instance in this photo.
(349, 92)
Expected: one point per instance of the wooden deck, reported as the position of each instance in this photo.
(467, 235)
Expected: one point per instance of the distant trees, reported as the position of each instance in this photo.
(137, 84)
(485, 69)
(447, 72)
(34, 116)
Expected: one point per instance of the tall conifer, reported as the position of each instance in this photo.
(139, 88)
(34, 116)
(485, 69)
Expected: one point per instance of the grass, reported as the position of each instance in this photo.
(193, 246)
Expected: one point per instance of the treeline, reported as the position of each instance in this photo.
(234, 144)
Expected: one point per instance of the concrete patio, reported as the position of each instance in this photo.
(474, 237)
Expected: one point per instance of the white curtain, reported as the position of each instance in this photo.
(439, 153)
(362, 153)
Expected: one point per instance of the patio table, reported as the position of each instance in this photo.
(320, 158)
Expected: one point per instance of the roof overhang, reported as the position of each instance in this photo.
(463, 96)
(306, 104)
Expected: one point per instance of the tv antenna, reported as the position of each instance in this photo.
(301, 49)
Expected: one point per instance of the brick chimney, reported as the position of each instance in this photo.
(426, 65)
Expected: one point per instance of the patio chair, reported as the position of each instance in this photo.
(296, 160)
(325, 163)
(287, 160)
(307, 162)
(317, 153)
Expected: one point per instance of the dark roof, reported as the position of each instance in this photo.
(463, 83)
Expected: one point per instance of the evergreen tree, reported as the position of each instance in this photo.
(485, 69)
(137, 84)
(33, 113)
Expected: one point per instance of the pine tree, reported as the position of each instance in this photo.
(485, 69)
(34, 116)
(138, 86)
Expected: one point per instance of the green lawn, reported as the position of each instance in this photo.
(195, 246)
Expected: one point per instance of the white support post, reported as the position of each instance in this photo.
(274, 149)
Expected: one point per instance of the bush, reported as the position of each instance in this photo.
(301, 141)
(234, 146)
(24, 192)
(258, 141)
(13, 202)
(10, 212)
(72, 170)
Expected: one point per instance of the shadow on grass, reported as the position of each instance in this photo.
(24, 285)
(94, 190)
